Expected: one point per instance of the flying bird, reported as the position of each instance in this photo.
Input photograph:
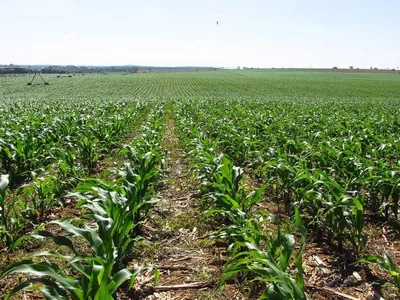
(217, 23)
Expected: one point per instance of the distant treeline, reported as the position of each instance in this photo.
(70, 69)
(16, 70)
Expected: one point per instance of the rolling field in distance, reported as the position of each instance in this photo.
(270, 184)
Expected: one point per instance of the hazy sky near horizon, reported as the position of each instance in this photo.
(252, 33)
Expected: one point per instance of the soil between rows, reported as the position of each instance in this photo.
(190, 266)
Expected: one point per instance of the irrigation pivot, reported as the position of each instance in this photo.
(38, 73)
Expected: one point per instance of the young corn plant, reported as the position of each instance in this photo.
(40, 197)
(146, 167)
(229, 199)
(269, 259)
(386, 263)
(88, 153)
(124, 203)
(140, 194)
(112, 206)
(332, 209)
(281, 175)
(390, 191)
(241, 218)
(68, 168)
(94, 273)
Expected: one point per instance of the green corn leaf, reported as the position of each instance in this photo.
(41, 269)
(58, 239)
(119, 278)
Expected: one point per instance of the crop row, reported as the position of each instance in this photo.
(71, 136)
(330, 165)
(319, 162)
(255, 252)
(71, 145)
(112, 213)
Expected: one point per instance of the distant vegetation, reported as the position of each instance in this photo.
(58, 69)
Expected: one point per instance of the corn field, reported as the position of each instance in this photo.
(297, 175)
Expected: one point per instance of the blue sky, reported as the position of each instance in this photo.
(258, 33)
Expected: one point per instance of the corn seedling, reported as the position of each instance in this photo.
(386, 263)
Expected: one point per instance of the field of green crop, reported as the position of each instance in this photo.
(297, 173)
